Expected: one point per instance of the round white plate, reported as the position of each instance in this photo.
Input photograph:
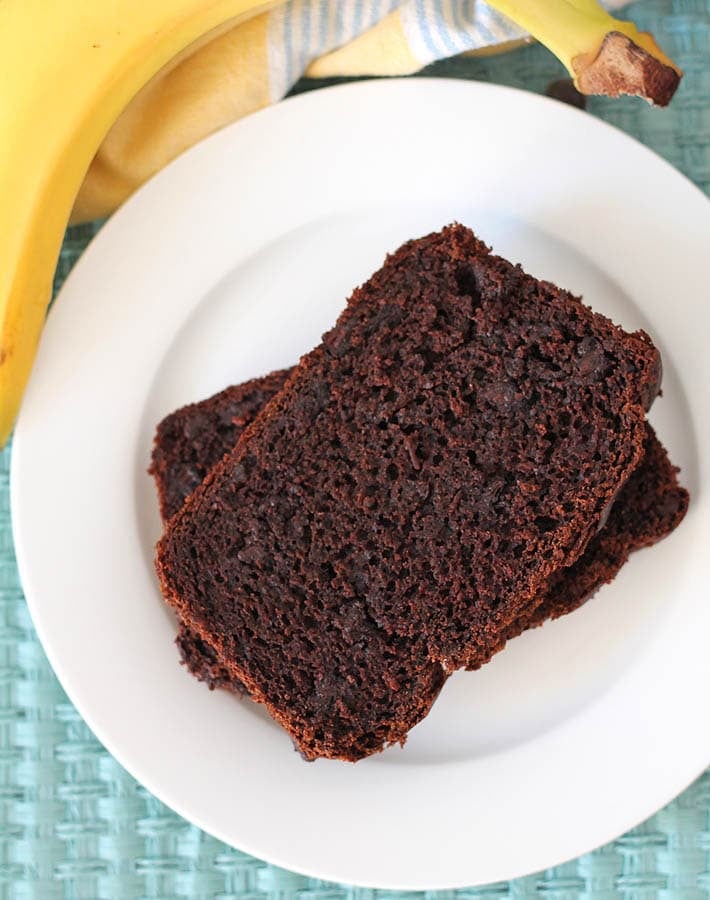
(231, 263)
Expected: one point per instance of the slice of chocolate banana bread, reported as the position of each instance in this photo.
(650, 505)
(455, 439)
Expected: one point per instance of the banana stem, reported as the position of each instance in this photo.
(603, 55)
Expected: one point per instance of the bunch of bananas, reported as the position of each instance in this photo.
(97, 55)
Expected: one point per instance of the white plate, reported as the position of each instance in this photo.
(231, 263)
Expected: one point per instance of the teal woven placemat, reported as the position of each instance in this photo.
(76, 825)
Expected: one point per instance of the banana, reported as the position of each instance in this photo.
(73, 67)
(603, 55)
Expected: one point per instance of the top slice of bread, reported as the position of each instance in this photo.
(458, 436)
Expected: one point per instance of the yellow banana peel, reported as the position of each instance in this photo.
(72, 67)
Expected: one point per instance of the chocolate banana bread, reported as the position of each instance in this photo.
(456, 438)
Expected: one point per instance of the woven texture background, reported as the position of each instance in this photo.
(75, 825)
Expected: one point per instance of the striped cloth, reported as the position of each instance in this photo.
(361, 33)
(258, 61)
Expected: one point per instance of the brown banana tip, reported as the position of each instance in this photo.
(622, 67)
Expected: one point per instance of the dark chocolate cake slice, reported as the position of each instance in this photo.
(456, 438)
